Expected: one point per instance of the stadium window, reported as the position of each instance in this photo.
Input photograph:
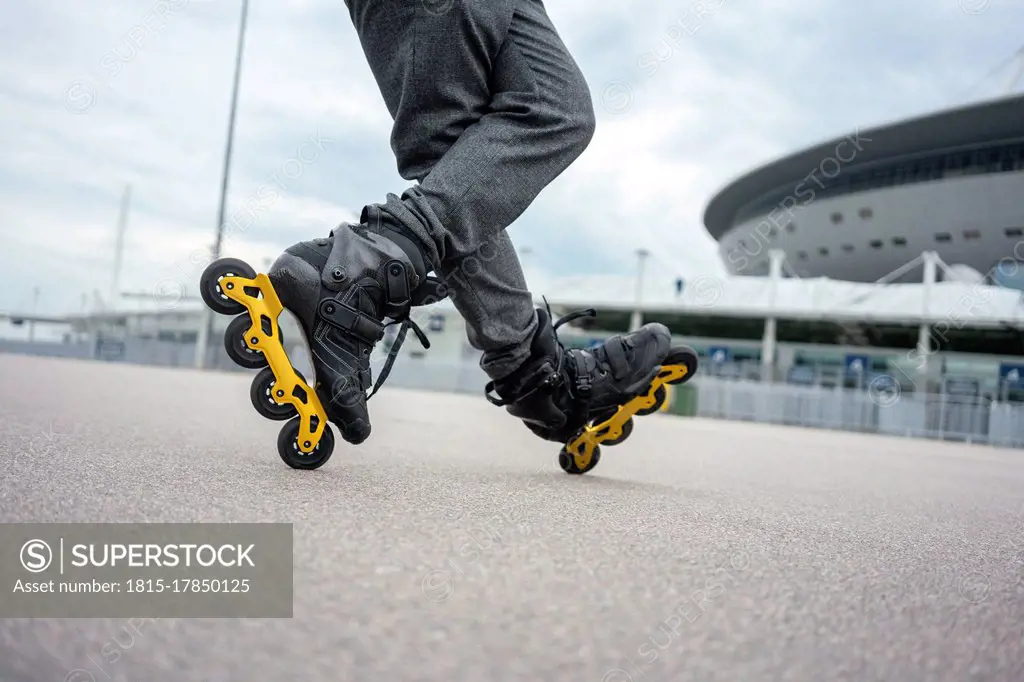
(992, 161)
(943, 237)
(848, 248)
(972, 234)
(953, 165)
(837, 218)
(866, 213)
(882, 178)
(823, 251)
(1007, 159)
(1013, 232)
(899, 241)
(876, 243)
(1019, 157)
(978, 160)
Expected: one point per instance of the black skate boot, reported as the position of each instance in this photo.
(584, 398)
(341, 289)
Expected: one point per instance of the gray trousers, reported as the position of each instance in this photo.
(489, 107)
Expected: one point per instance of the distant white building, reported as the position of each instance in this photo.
(858, 207)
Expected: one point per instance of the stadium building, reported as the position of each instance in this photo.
(860, 207)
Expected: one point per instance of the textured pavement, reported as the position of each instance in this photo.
(451, 547)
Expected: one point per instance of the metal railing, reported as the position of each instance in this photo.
(942, 416)
(984, 418)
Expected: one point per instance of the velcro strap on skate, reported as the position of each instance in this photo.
(351, 321)
(616, 355)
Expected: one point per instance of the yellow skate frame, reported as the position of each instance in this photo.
(581, 448)
(268, 306)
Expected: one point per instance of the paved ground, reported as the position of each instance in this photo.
(451, 547)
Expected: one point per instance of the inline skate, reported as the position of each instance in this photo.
(340, 289)
(588, 398)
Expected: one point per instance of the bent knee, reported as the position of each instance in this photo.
(576, 120)
(584, 120)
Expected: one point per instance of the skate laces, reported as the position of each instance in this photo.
(407, 323)
(589, 312)
(565, 319)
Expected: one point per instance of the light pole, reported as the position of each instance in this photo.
(122, 225)
(32, 319)
(202, 343)
(637, 320)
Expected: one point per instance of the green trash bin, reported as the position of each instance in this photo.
(683, 401)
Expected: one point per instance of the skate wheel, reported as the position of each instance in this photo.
(568, 462)
(627, 429)
(262, 395)
(288, 447)
(660, 396)
(237, 349)
(209, 284)
(685, 356)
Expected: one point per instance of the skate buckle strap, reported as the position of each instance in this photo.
(399, 295)
(583, 364)
(350, 320)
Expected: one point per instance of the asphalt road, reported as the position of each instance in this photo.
(451, 547)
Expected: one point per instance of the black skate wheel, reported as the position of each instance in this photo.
(237, 349)
(288, 447)
(209, 284)
(660, 396)
(568, 462)
(627, 429)
(686, 356)
(262, 395)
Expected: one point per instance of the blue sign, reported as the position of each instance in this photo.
(857, 364)
(1011, 373)
(719, 354)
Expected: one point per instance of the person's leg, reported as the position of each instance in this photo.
(489, 108)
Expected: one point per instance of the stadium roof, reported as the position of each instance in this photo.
(984, 122)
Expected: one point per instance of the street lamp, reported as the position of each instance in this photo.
(637, 317)
(202, 343)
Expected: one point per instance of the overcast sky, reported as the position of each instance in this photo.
(94, 96)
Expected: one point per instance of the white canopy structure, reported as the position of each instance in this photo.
(959, 304)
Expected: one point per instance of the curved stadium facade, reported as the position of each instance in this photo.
(859, 207)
